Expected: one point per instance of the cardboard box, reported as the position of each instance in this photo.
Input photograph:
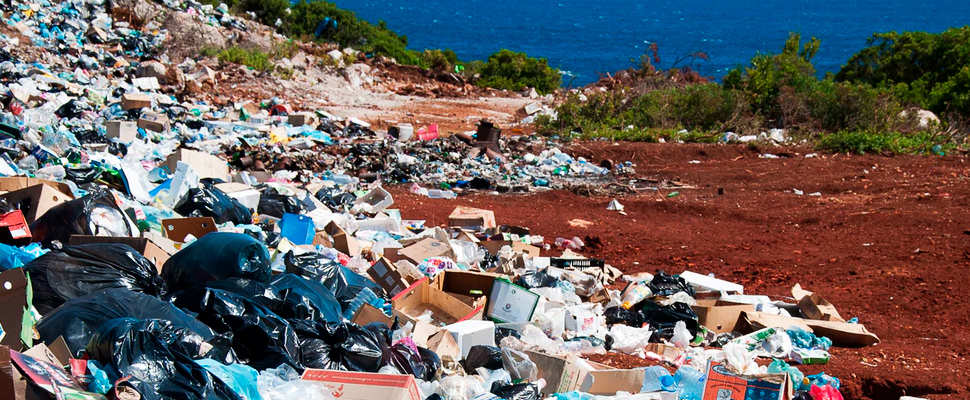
(367, 314)
(721, 316)
(814, 306)
(30, 378)
(35, 200)
(156, 249)
(205, 165)
(563, 374)
(843, 334)
(343, 241)
(385, 274)
(425, 249)
(9, 184)
(300, 119)
(509, 302)
(468, 334)
(466, 284)
(135, 101)
(669, 353)
(375, 201)
(493, 247)
(468, 217)
(15, 320)
(722, 384)
(178, 228)
(581, 320)
(124, 131)
(445, 308)
(247, 195)
(443, 343)
(151, 121)
(365, 386)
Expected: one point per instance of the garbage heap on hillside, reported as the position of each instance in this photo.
(152, 248)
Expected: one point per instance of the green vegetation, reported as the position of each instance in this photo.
(254, 59)
(774, 91)
(510, 70)
(929, 70)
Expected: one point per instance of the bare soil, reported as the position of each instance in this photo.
(886, 241)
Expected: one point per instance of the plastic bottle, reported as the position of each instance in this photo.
(690, 383)
(634, 294)
(656, 379)
(365, 296)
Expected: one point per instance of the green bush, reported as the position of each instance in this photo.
(254, 59)
(769, 75)
(862, 142)
(509, 70)
(925, 69)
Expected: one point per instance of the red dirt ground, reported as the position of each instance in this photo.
(887, 241)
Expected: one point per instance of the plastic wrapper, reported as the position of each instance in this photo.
(825, 392)
(628, 340)
(489, 357)
(212, 202)
(620, 315)
(519, 366)
(803, 339)
(502, 333)
(284, 383)
(457, 387)
(81, 270)
(147, 353)
(408, 360)
(521, 391)
(344, 283)
(215, 256)
(275, 205)
(240, 378)
(78, 319)
(347, 347)
(538, 279)
(14, 257)
(664, 284)
(260, 338)
(95, 214)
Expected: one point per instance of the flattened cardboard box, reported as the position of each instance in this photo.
(9, 184)
(385, 274)
(445, 308)
(178, 229)
(343, 241)
(425, 249)
(722, 384)
(206, 165)
(843, 334)
(346, 385)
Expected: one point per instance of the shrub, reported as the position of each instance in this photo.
(862, 142)
(509, 70)
(254, 59)
(925, 69)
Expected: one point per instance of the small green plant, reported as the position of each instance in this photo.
(509, 70)
(254, 59)
(863, 142)
(209, 52)
(286, 73)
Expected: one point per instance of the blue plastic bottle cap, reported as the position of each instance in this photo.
(667, 383)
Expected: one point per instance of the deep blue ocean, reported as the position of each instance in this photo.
(586, 38)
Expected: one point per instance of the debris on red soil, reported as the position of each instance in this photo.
(884, 241)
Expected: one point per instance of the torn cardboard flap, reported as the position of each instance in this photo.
(721, 316)
(155, 248)
(178, 229)
(9, 184)
(563, 374)
(13, 295)
(35, 200)
(814, 306)
(386, 275)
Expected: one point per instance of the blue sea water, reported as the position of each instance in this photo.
(589, 38)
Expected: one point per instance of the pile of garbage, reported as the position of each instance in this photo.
(152, 248)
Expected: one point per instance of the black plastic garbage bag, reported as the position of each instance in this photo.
(344, 283)
(432, 363)
(82, 174)
(619, 315)
(215, 256)
(664, 318)
(538, 279)
(95, 214)
(664, 284)
(212, 202)
(287, 295)
(489, 357)
(260, 338)
(81, 270)
(522, 391)
(78, 319)
(502, 333)
(346, 347)
(407, 360)
(275, 205)
(149, 354)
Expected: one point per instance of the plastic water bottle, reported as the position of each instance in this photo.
(656, 379)
(365, 296)
(691, 383)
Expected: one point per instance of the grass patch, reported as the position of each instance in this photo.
(254, 59)
(863, 142)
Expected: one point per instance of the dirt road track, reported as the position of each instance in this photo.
(888, 241)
